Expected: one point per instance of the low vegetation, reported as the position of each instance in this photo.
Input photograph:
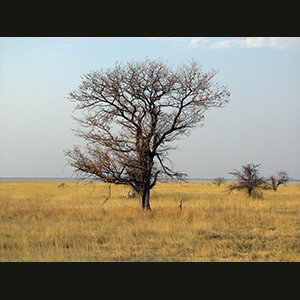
(188, 222)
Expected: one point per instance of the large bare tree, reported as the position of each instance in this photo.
(131, 113)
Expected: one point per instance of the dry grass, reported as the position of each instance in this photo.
(39, 222)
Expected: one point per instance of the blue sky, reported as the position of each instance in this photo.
(261, 124)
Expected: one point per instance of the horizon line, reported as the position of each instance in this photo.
(189, 178)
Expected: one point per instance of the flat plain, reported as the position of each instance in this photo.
(40, 221)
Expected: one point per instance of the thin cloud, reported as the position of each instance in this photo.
(196, 42)
(278, 43)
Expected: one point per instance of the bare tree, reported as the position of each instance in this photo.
(131, 114)
(281, 178)
(219, 180)
(249, 181)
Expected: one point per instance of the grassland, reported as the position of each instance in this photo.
(41, 222)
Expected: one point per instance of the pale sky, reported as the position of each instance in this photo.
(261, 124)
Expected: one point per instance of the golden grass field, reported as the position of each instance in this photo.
(41, 222)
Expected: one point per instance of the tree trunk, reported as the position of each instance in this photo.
(250, 190)
(144, 197)
(274, 185)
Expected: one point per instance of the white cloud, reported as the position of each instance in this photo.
(222, 44)
(196, 42)
(278, 43)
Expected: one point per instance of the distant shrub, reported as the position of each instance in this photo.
(219, 180)
(281, 178)
(249, 181)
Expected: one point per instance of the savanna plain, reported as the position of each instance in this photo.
(40, 221)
